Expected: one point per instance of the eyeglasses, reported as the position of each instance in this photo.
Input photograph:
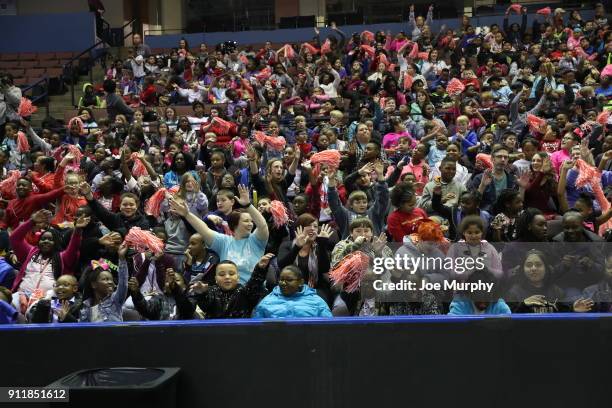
(288, 280)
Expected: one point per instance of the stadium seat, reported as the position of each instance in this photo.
(9, 57)
(20, 81)
(29, 64)
(16, 72)
(28, 56)
(55, 72)
(64, 55)
(49, 64)
(47, 56)
(35, 72)
(9, 64)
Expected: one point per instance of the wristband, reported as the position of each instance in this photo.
(244, 206)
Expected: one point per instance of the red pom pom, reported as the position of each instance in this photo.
(350, 270)
(367, 36)
(603, 117)
(408, 81)
(414, 52)
(326, 47)
(23, 146)
(273, 142)
(9, 184)
(544, 11)
(423, 56)
(153, 205)
(279, 213)
(223, 124)
(516, 8)
(455, 87)
(536, 124)
(289, 51)
(264, 74)
(330, 157)
(368, 50)
(139, 168)
(144, 240)
(311, 48)
(607, 71)
(26, 108)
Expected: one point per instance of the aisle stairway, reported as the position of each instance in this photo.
(58, 104)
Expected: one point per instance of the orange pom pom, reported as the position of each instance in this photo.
(350, 270)
(144, 240)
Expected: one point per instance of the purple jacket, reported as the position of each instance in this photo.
(25, 252)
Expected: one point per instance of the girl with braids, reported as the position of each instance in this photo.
(41, 265)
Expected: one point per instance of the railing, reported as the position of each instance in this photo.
(43, 96)
(166, 31)
(69, 66)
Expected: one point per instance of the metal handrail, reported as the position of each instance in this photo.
(45, 94)
(70, 64)
(164, 30)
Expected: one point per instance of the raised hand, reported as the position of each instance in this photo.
(332, 180)
(133, 286)
(178, 207)
(82, 222)
(122, 252)
(379, 167)
(487, 178)
(264, 261)
(567, 165)
(41, 217)
(379, 242)
(535, 300)
(583, 305)
(85, 190)
(199, 288)
(301, 237)
(325, 232)
(63, 311)
(243, 195)
(367, 169)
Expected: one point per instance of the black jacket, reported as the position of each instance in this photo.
(41, 311)
(117, 222)
(233, 304)
(159, 306)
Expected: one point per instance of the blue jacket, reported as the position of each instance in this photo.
(464, 306)
(305, 303)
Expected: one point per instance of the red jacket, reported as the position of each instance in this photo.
(400, 224)
(148, 96)
(20, 209)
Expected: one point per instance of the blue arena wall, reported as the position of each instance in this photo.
(306, 34)
(511, 361)
(47, 32)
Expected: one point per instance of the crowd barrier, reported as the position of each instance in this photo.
(426, 361)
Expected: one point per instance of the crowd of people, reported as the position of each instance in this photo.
(299, 166)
